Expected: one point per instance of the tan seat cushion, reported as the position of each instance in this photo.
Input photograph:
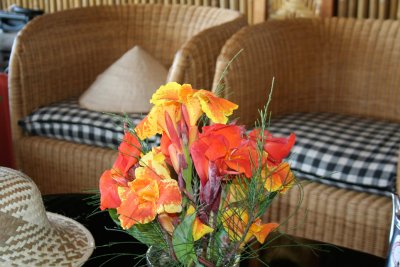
(127, 85)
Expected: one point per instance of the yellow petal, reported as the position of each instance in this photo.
(234, 222)
(200, 229)
(155, 160)
(279, 179)
(170, 199)
(190, 210)
(149, 125)
(194, 110)
(166, 93)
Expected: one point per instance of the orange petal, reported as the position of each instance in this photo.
(186, 93)
(143, 173)
(166, 222)
(170, 198)
(261, 231)
(109, 198)
(132, 211)
(217, 109)
(164, 144)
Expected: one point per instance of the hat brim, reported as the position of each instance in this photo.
(80, 243)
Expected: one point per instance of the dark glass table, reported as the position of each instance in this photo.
(116, 248)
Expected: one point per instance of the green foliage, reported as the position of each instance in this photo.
(149, 233)
(183, 242)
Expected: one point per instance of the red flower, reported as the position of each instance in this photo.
(225, 146)
(129, 152)
(120, 174)
(277, 148)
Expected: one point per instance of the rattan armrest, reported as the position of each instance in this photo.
(194, 63)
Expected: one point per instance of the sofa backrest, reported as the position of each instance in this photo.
(57, 56)
(322, 65)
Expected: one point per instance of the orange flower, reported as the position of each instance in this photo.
(279, 178)
(235, 221)
(151, 193)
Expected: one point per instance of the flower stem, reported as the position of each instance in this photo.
(236, 247)
(167, 238)
(206, 262)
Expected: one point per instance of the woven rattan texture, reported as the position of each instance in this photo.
(347, 218)
(61, 166)
(53, 63)
(343, 66)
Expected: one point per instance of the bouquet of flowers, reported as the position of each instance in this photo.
(200, 196)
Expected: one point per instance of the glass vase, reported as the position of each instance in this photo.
(156, 257)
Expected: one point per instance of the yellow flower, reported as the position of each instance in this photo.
(280, 178)
(199, 229)
(216, 108)
(235, 221)
(175, 99)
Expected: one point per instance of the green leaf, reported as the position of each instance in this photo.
(149, 233)
(183, 242)
(114, 216)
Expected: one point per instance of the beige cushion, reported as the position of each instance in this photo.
(127, 85)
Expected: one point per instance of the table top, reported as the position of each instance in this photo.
(115, 247)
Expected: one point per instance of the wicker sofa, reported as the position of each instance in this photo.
(339, 66)
(57, 56)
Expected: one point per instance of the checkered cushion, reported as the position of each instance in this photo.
(68, 121)
(349, 152)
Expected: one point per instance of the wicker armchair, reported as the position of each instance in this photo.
(343, 66)
(57, 56)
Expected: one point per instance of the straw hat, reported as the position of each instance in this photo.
(30, 236)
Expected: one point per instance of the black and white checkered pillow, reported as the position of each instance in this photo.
(68, 121)
(349, 152)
